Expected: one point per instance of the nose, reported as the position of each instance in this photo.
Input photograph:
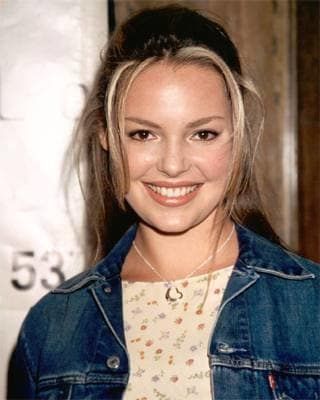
(174, 160)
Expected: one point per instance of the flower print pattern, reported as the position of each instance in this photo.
(139, 373)
(137, 310)
(167, 342)
(164, 335)
(127, 326)
(180, 340)
(192, 391)
(174, 378)
(198, 292)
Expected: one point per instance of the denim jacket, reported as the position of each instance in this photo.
(265, 343)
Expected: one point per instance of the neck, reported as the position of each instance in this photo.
(175, 256)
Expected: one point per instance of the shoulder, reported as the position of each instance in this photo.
(55, 308)
(266, 256)
(279, 281)
(52, 312)
(73, 295)
(105, 270)
(52, 322)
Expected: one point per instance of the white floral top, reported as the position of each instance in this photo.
(167, 342)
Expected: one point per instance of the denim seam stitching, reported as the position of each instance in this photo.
(27, 358)
(81, 379)
(282, 275)
(260, 365)
(78, 285)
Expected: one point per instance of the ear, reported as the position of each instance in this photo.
(103, 139)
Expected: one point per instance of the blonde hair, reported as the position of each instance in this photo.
(106, 179)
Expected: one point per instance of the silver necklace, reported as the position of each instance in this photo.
(173, 293)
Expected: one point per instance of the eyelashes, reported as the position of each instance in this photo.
(141, 135)
(205, 135)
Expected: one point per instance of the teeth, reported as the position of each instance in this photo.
(173, 192)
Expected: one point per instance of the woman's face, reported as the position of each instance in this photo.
(178, 143)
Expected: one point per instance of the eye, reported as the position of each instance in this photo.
(141, 135)
(205, 135)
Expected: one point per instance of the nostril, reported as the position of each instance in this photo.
(173, 165)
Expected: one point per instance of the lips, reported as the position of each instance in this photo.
(172, 192)
(168, 194)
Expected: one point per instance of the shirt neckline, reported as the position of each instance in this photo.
(223, 270)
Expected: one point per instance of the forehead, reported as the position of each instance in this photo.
(171, 87)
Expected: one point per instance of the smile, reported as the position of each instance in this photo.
(172, 195)
(172, 192)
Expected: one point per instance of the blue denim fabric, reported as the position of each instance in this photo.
(265, 343)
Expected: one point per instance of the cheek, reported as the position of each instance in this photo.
(216, 167)
(139, 163)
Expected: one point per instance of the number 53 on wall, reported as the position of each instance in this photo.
(27, 269)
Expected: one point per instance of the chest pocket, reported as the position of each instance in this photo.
(294, 387)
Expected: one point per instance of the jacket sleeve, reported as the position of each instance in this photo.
(21, 382)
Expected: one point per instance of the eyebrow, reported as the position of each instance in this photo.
(193, 124)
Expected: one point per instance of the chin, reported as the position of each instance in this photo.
(170, 226)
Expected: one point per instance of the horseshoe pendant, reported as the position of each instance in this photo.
(173, 294)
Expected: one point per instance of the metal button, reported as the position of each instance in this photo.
(107, 289)
(113, 362)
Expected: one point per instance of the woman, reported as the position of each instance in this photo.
(190, 303)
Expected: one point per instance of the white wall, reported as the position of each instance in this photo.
(48, 51)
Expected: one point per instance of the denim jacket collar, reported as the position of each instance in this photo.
(261, 255)
(256, 255)
(255, 252)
